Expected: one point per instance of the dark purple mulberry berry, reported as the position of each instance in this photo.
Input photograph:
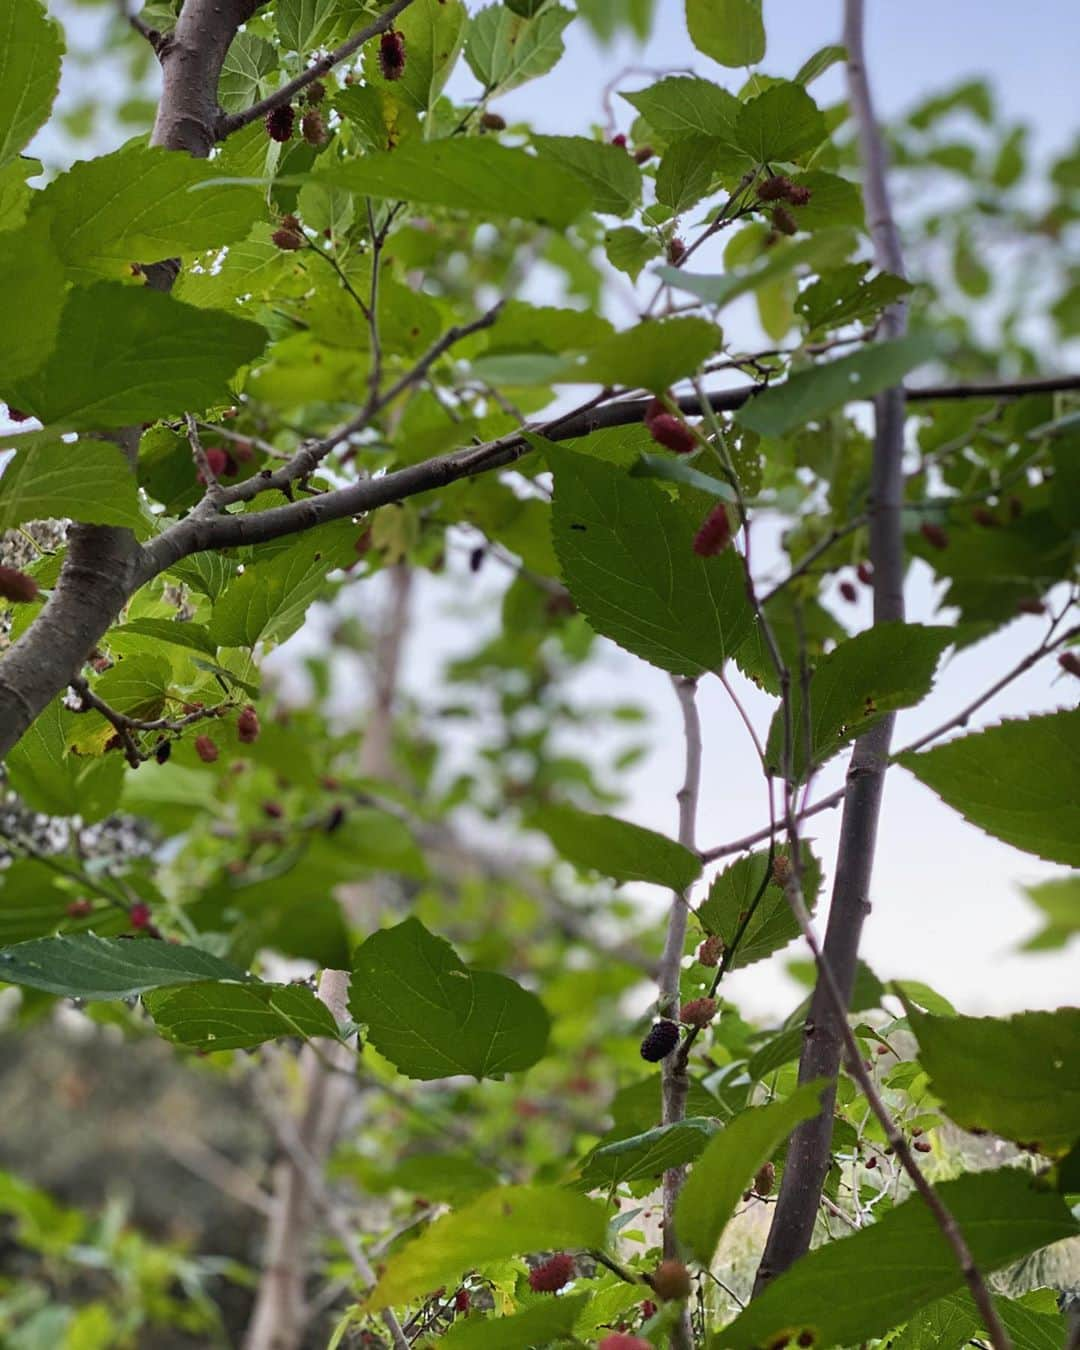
(660, 1040)
(280, 122)
(392, 55)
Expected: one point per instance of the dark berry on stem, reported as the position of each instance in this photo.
(17, 586)
(280, 123)
(715, 533)
(661, 1038)
(392, 55)
(551, 1275)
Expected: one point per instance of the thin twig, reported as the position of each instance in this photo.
(228, 123)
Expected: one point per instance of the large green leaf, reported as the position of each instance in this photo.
(683, 105)
(618, 848)
(131, 354)
(268, 603)
(651, 355)
(858, 1287)
(546, 1321)
(305, 24)
(784, 123)
(138, 205)
(772, 924)
(811, 393)
(91, 967)
(503, 1223)
(1018, 1077)
(477, 176)
(505, 50)
(86, 480)
(432, 1016)
(626, 553)
(887, 667)
(34, 903)
(56, 782)
(32, 284)
(609, 173)
(732, 32)
(649, 1154)
(955, 1321)
(1059, 901)
(220, 1016)
(686, 173)
(713, 1188)
(831, 246)
(433, 31)
(137, 686)
(1019, 781)
(30, 50)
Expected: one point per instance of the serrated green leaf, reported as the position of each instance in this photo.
(245, 76)
(887, 667)
(432, 1016)
(628, 249)
(505, 1222)
(539, 1325)
(1019, 781)
(683, 105)
(811, 393)
(305, 24)
(651, 355)
(825, 249)
(732, 32)
(772, 925)
(1001, 1214)
(214, 1015)
(136, 686)
(56, 782)
(609, 173)
(718, 1178)
(647, 1155)
(782, 124)
(1059, 901)
(626, 553)
(1018, 1077)
(32, 284)
(87, 480)
(31, 46)
(433, 31)
(476, 176)
(617, 848)
(131, 354)
(138, 205)
(91, 967)
(505, 50)
(686, 173)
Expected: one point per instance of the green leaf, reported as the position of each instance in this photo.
(132, 354)
(477, 176)
(843, 295)
(652, 355)
(628, 249)
(505, 50)
(433, 31)
(30, 52)
(33, 904)
(832, 246)
(819, 63)
(268, 603)
(1019, 781)
(32, 284)
(647, 1155)
(245, 76)
(91, 967)
(626, 553)
(834, 202)
(782, 124)
(305, 24)
(1059, 900)
(86, 480)
(686, 173)
(541, 1324)
(609, 173)
(218, 1016)
(138, 205)
(887, 667)
(715, 1185)
(678, 471)
(616, 848)
(505, 1222)
(811, 393)
(955, 1321)
(1016, 1076)
(772, 925)
(683, 105)
(732, 32)
(431, 1016)
(136, 686)
(51, 780)
(858, 1287)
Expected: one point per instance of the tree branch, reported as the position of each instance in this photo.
(226, 124)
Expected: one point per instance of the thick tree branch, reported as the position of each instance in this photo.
(228, 123)
(826, 1026)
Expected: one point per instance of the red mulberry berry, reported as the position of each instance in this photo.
(289, 240)
(1030, 604)
(698, 1012)
(17, 586)
(985, 517)
(217, 460)
(784, 221)
(1070, 663)
(643, 154)
(280, 123)
(247, 726)
(273, 809)
(551, 1275)
(660, 1040)
(618, 1340)
(934, 535)
(206, 749)
(17, 414)
(79, 909)
(799, 196)
(392, 55)
(316, 92)
(139, 915)
(848, 592)
(672, 432)
(711, 950)
(620, 140)
(865, 573)
(676, 250)
(715, 533)
(462, 1301)
(671, 1280)
(765, 1179)
(922, 1146)
(491, 121)
(313, 128)
(775, 189)
(781, 869)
